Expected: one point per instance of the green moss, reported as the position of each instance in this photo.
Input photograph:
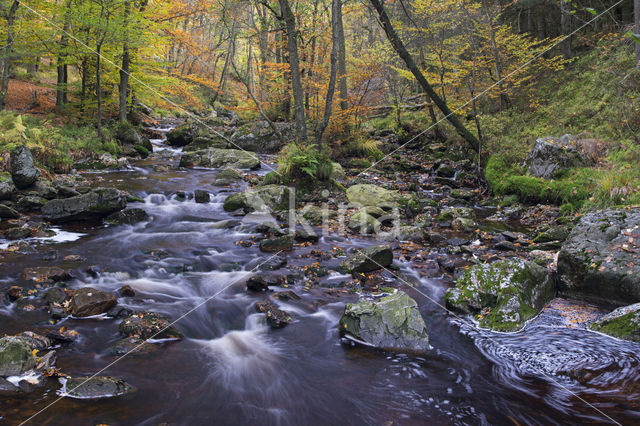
(622, 327)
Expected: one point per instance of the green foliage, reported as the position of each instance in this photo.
(142, 151)
(360, 145)
(359, 163)
(271, 178)
(299, 162)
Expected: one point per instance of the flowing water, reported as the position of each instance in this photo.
(233, 369)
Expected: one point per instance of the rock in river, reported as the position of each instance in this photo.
(15, 357)
(147, 325)
(503, 294)
(599, 261)
(93, 387)
(276, 318)
(128, 217)
(264, 198)
(215, 157)
(623, 323)
(93, 205)
(392, 322)
(369, 259)
(89, 301)
(23, 169)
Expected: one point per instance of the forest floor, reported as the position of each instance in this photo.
(30, 98)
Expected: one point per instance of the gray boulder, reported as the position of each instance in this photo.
(23, 169)
(502, 295)
(550, 156)
(128, 217)
(94, 387)
(371, 195)
(598, 262)
(369, 259)
(89, 301)
(182, 135)
(96, 204)
(264, 198)
(214, 157)
(7, 188)
(392, 322)
(15, 357)
(259, 137)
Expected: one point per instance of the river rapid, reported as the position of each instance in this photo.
(231, 368)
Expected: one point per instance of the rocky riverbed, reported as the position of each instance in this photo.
(384, 303)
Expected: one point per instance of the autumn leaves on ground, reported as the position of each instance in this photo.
(491, 148)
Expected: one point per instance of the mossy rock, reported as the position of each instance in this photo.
(368, 259)
(371, 195)
(281, 243)
(264, 198)
(227, 176)
(451, 213)
(502, 295)
(15, 357)
(392, 322)
(206, 141)
(363, 223)
(623, 323)
(214, 158)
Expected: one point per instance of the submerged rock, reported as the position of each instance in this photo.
(16, 357)
(147, 325)
(369, 259)
(23, 170)
(128, 217)
(89, 301)
(93, 205)
(265, 198)
(623, 323)
(599, 260)
(93, 387)
(276, 318)
(503, 294)
(392, 322)
(201, 196)
(215, 157)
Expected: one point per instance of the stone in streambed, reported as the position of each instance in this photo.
(128, 217)
(276, 318)
(7, 188)
(7, 212)
(227, 176)
(265, 198)
(371, 195)
(30, 203)
(502, 295)
(16, 357)
(214, 158)
(23, 169)
(363, 223)
(96, 204)
(89, 301)
(281, 243)
(17, 233)
(392, 322)
(201, 196)
(42, 274)
(623, 323)
(369, 259)
(147, 325)
(93, 387)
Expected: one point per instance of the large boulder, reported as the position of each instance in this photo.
(623, 323)
(89, 301)
(392, 322)
(23, 169)
(371, 195)
(96, 204)
(207, 141)
(551, 156)
(369, 259)
(128, 217)
(598, 262)
(264, 198)
(502, 295)
(7, 189)
(16, 357)
(182, 135)
(260, 137)
(363, 223)
(102, 162)
(214, 157)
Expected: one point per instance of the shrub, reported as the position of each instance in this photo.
(303, 162)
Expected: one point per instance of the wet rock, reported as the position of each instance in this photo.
(435, 237)
(257, 284)
(276, 318)
(23, 170)
(315, 215)
(551, 156)
(201, 196)
(182, 135)
(371, 195)
(56, 295)
(445, 170)
(463, 224)
(128, 217)
(35, 341)
(148, 325)
(599, 260)
(363, 223)
(392, 322)
(17, 233)
(258, 136)
(451, 213)
(623, 323)
(227, 176)
(30, 203)
(131, 346)
(214, 157)
(16, 357)
(555, 233)
(96, 204)
(14, 293)
(7, 189)
(505, 246)
(7, 212)
(272, 263)
(100, 162)
(45, 189)
(89, 301)
(42, 274)
(502, 295)
(369, 259)
(281, 243)
(127, 291)
(305, 235)
(266, 198)
(119, 312)
(94, 387)
(406, 233)
(286, 295)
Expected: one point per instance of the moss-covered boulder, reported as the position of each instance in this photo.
(623, 323)
(265, 198)
(207, 141)
(182, 135)
(502, 295)
(227, 176)
(260, 137)
(368, 259)
(363, 223)
(337, 172)
(148, 325)
(96, 204)
(391, 322)
(214, 157)
(16, 357)
(599, 260)
(451, 213)
(371, 195)
(281, 243)
(554, 233)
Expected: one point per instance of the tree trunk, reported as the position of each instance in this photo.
(99, 89)
(336, 15)
(342, 61)
(5, 59)
(497, 66)
(636, 18)
(294, 65)
(126, 62)
(406, 57)
(565, 27)
(61, 66)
